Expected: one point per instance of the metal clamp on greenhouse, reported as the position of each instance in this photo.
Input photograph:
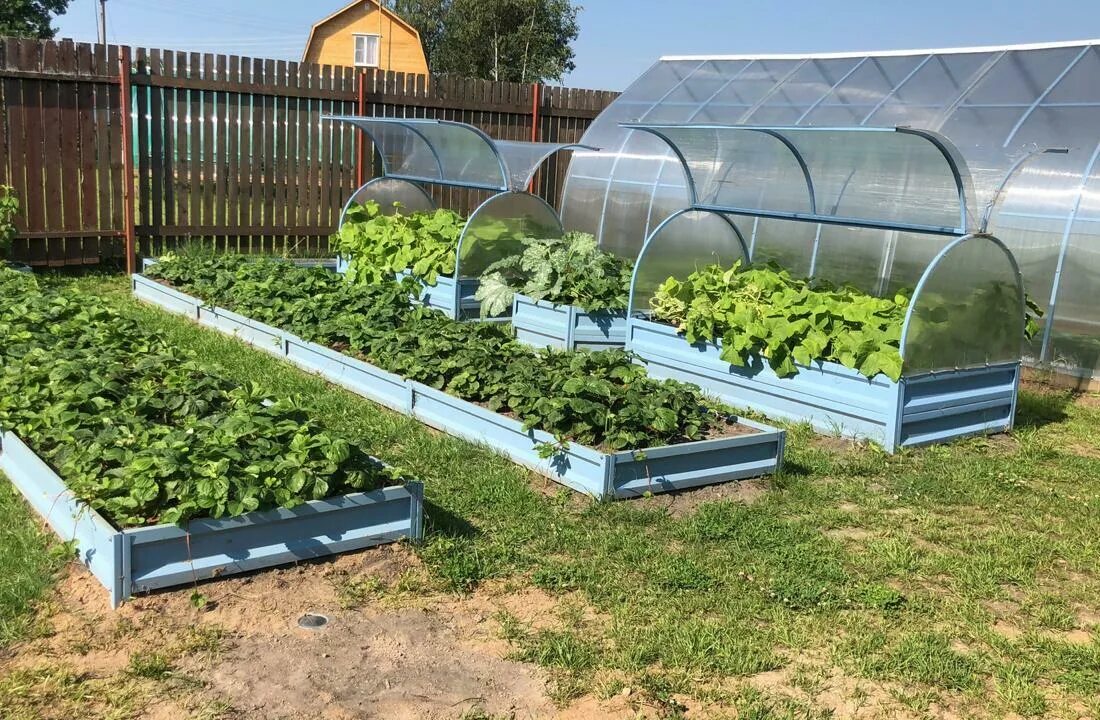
(415, 153)
(838, 276)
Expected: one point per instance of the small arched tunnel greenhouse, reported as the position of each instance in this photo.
(964, 307)
(418, 152)
(1024, 120)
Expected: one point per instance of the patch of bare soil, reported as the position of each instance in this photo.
(852, 534)
(834, 443)
(1084, 450)
(832, 691)
(685, 502)
(396, 665)
(413, 661)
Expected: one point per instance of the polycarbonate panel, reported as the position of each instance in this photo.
(524, 158)
(1076, 331)
(497, 228)
(907, 257)
(392, 195)
(993, 105)
(466, 156)
(403, 149)
(865, 174)
(453, 153)
(686, 242)
(856, 256)
(968, 312)
(787, 243)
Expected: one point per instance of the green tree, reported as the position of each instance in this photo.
(427, 17)
(511, 40)
(30, 18)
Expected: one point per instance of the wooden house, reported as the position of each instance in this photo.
(366, 34)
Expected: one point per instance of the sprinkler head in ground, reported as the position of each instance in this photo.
(312, 621)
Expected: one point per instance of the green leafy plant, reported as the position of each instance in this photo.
(567, 271)
(763, 313)
(597, 399)
(380, 245)
(9, 208)
(143, 432)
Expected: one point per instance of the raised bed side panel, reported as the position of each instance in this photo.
(544, 324)
(580, 468)
(541, 324)
(832, 398)
(165, 297)
(99, 545)
(945, 405)
(599, 331)
(469, 307)
(359, 377)
(679, 467)
(166, 556)
(257, 334)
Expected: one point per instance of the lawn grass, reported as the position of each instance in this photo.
(28, 564)
(964, 576)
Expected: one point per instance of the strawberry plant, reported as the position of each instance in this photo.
(567, 271)
(598, 399)
(763, 313)
(143, 432)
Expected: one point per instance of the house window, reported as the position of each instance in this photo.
(367, 50)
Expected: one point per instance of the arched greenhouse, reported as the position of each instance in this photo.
(1024, 120)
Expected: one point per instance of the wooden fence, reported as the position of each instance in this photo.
(222, 148)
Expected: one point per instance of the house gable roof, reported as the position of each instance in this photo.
(385, 11)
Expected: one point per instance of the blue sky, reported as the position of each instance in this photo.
(620, 39)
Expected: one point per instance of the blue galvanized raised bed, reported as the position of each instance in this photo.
(603, 475)
(545, 324)
(917, 410)
(143, 559)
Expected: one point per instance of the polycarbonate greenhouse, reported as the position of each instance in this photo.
(1023, 123)
(415, 152)
(963, 329)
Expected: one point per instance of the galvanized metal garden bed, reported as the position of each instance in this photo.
(603, 475)
(917, 410)
(149, 558)
(546, 324)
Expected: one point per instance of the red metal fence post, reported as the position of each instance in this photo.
(360, 136)
(127, 160)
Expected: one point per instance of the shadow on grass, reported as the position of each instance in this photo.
(1038, 408)
(440, 521)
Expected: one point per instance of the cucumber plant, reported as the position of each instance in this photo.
(763, 313)
(380, 245)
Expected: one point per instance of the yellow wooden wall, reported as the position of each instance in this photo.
(334, 44)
